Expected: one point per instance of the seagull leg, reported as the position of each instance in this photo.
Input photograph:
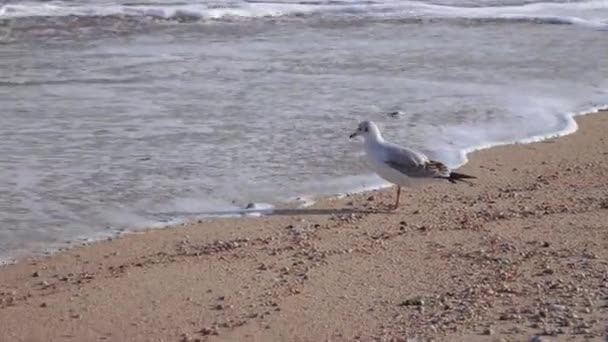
(398, 196)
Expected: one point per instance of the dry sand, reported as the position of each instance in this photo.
(520, 256)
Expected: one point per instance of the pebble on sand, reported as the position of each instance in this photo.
(417, 301)
(209, 331)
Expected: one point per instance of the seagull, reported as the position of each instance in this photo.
(400, 165)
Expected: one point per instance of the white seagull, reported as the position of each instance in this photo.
(400, 165)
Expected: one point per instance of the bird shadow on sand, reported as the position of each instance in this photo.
(336, 211)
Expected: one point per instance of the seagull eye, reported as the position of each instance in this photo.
(365, 129)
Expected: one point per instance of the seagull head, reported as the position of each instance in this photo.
(367, 129)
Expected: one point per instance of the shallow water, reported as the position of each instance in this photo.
(118, 115)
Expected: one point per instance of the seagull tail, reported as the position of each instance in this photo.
(459, 177)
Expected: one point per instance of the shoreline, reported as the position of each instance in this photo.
(572, 128)
(522, 253)
(286, 204)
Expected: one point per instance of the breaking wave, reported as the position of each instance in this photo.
(587, 14)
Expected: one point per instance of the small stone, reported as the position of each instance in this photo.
(209, 331)
(488, 331)
(219, 307)
(549, 331)
(584, 325)
(371, 198)
(36, 274)
(585, 331)
(43, 305)
(413, 302)
(557, 307)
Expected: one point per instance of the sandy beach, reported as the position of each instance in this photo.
(521, 255)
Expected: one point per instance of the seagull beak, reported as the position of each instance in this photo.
(353, 135)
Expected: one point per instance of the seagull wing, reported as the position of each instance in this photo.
(414, 164)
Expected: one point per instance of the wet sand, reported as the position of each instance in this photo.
(521, 255)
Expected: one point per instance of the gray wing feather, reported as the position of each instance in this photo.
(414, 164)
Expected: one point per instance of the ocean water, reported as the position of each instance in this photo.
(121, 115)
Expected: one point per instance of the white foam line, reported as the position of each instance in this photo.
(7, 260)
(571, 127)
(540, 11)
(259, 209)
(59, 9)
(303, 201)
